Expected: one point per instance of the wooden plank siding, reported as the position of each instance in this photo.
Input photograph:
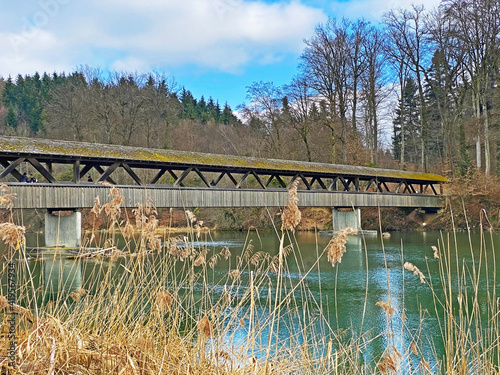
(66, 196)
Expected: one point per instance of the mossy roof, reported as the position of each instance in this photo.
(66, 151)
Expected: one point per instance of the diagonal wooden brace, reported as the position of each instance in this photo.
(40, 168)
(11, 168)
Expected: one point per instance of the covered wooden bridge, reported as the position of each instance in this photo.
(170, 178)
(190, 179)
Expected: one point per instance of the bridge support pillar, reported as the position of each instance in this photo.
(346, 219)
(63, 231)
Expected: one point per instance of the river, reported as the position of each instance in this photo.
(371, 270)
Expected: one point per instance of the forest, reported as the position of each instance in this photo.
(419, 91)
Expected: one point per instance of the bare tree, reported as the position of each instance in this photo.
(66, 113)
(374, 82)
(446, 84)
(326, 61)
(476, 24)
(359, 63)
(128, 102)
(263, 112)
(300, 111)
(407, 34)
(161, 109)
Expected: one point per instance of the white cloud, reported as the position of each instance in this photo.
(223, 35)
(137, 34)
(31, 52)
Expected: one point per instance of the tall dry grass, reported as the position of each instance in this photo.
(173, 305)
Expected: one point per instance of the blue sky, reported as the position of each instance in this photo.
(212, 47)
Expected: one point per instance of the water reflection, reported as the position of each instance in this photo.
(61, 275)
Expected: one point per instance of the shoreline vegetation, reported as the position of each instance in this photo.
(166, 313)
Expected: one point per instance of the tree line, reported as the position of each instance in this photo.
(432, 74)
(429, 77)
(122, 108)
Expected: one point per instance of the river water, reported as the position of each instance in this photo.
(371, 270)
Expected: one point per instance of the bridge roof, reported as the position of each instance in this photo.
(66, 152)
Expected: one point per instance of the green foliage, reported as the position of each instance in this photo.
(406, 124)
(28, 97)
(193, 109)
(66, 175)
(11, 119)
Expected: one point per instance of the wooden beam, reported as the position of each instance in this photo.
(105, 174)
(434, 190)
(174, 176)
(399, 187)
(86, 169)
(292, 180)
(160, 173)
(202, 177)
(321, 183)
(345, 183)
(219, 178)
(76, 171)
(280, 180)
(258, 180)
(406, 187)
(242, 180)
(14, 172)
(184, 174)
(11, 168)
(269, 180)
(370, 182)
(40, 168)
(132, 174)
(233, 180)
(333, 185)
(304, 180)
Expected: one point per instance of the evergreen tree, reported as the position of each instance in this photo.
(11, 119)
(409, 106)
(227, 117)
(188, 105)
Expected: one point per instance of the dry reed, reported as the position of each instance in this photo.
(162, 313)
(291, 214)
(336, 247)
(411, 267)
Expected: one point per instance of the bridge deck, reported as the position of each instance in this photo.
(142, 166)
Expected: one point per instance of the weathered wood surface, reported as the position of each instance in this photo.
(66, 196)
(103, 161)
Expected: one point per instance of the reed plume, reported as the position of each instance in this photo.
(291, 214)
(336, 247)
(411, 267)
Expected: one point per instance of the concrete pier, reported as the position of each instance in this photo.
(346, 219)
(63, 231)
